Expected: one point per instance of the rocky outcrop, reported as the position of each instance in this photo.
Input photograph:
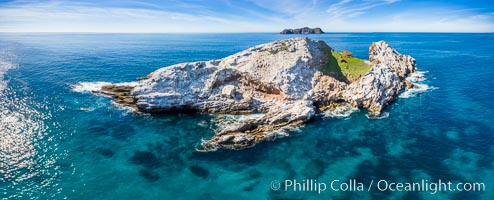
(381, 53)
(346, 54)
(381, 85)
(305, 30)
(375, 90)
(121, 94)
(265, 90)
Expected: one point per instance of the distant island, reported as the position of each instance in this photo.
(305, 30)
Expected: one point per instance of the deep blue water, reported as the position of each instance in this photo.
(56, 143)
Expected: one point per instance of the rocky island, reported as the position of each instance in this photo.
(305, 30)
(263, 92)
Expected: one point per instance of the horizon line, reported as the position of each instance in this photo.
(91, 32)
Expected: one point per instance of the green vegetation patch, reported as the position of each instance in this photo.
(346, 69)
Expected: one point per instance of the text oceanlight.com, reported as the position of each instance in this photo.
(354, 185)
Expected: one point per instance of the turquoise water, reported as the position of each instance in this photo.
(58, 143)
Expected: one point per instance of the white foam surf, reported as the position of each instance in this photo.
(126, 109)
(417, 78)
(96, 86)
(418, 88)
(87, 109)
(89, 86)
(340, 112)
(381, 116)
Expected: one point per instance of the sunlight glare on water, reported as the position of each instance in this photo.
(24, 166)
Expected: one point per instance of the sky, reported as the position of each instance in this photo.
(218, 16)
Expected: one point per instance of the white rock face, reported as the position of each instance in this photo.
(375, 90)
(381, 53)
(280, 79)
(261, 74)
(383, 82)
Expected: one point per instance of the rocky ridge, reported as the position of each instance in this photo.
(267, 89)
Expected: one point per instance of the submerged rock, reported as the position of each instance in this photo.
(199, 171)
(149, 175)
(314, 168)
(146, 159)
(281, 79)
(106, 152)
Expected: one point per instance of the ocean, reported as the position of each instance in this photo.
(59, 141)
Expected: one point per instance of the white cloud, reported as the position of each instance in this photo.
(352, 9)
(60, 17)
(288, 7)
(342, 16)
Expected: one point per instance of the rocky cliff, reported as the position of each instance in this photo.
(305, 30)
(267, 89)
